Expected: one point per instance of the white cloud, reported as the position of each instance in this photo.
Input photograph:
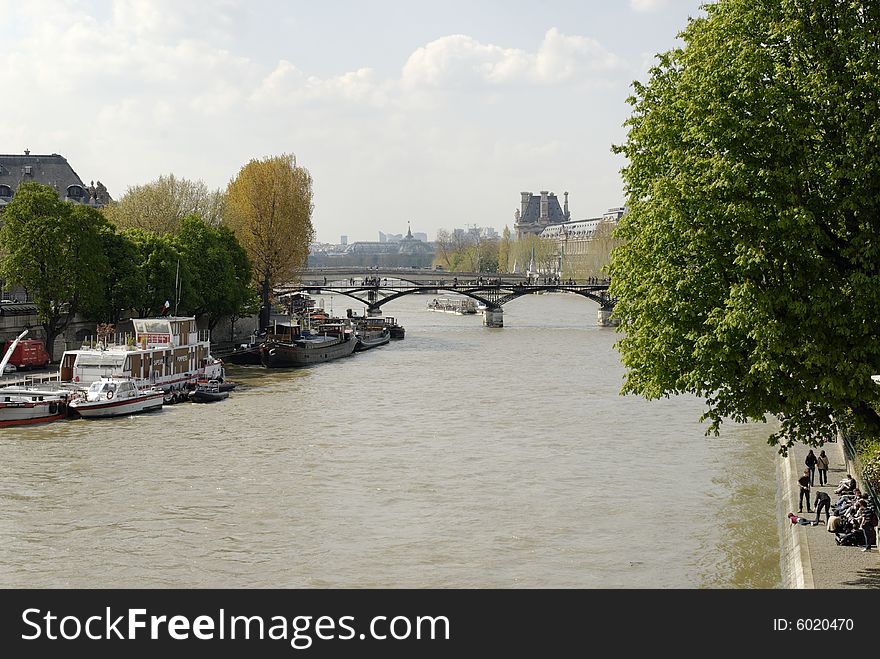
(149, 89)
(461, 61)
(647, 5)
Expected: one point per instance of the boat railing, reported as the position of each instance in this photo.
(41, 378)
(92, 342)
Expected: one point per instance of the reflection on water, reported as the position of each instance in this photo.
(459, 457)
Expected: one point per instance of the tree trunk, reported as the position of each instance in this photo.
(52, 333)
(264, 310)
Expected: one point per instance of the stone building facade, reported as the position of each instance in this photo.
(537, 212)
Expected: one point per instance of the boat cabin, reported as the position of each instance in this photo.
(108, 389)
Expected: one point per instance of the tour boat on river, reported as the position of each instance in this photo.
(460, 306)
(168, 353)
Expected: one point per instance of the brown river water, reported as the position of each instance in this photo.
(459, 457)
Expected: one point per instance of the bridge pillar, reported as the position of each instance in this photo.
(605, 319)
(493, 317)
(373, 312)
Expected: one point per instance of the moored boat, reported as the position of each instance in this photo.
(167, 353)
(115, 397)
(207, 392)
(26, 405)
(370, 333)
(396, 331)
(288, 345)
(20, 406)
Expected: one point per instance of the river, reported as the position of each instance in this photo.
(459, 457)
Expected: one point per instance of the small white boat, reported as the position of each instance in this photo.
(116, 397)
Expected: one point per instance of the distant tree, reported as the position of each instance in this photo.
(54, 249)
(504, 251)
(269, 208)
(750, 269)
(444, 248)
(219, 268)
(161, 205)
(534, 251)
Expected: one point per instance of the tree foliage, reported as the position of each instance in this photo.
(504, 251)
(219, 269)
(54, 249)
(164, 274)
(125, 279)
(161, 205)
(269, 208)
(750, 273)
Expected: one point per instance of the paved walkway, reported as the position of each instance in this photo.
(824, 564)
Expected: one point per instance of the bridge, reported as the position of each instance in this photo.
(376, 289)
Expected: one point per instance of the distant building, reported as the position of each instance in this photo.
(343, 240)
(537, 212)
(53, 170)
(406, 252)
(583, 247)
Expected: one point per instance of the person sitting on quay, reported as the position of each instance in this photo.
(860, 527)
(845, 485)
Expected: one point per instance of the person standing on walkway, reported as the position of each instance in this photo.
(822, 466)
(811, 461)
(867, 521)
(804, 482)
(822, 501)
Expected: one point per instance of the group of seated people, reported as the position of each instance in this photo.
(853, 518)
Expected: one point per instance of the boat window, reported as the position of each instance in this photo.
(96, 386)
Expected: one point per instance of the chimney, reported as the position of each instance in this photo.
(565, 209)
(545, 212)
(524, 203)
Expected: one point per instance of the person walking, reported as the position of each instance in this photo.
(804, 482)
(822, 501)
(822, 466)
(810, 461)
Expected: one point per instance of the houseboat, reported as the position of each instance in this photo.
(290, 345)
(168, 353)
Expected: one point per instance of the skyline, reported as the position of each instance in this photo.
(434, 115)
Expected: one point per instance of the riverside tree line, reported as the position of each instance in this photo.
(211, 254)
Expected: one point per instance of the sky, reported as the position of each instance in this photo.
(432, 115)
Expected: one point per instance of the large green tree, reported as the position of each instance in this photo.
(269, 207)
(54, 249)
(750, 273)
(219, 268)
(125, 280)
(165, 273)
